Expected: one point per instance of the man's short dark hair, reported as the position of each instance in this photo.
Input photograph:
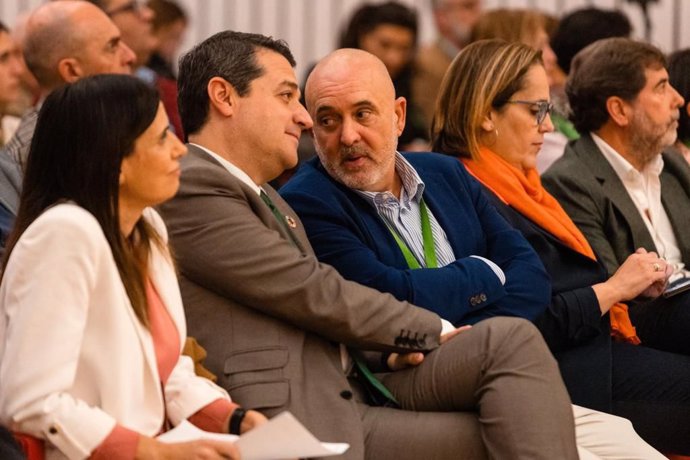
(606, 68)
(229, 55)
(583, 27)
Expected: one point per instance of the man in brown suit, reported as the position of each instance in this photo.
(454, 20)
(272, 317)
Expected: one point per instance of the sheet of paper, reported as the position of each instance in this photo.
(282, 437)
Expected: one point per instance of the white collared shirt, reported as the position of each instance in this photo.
(644, 188)
(232, 169)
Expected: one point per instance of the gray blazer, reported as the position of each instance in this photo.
(588, 188)
(10, 183)
(10, 190)
(268, 313)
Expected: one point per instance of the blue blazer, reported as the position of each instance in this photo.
(346, 232)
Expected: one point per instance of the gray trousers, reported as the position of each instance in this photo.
(493, 392)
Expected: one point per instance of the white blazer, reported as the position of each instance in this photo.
(74, 358)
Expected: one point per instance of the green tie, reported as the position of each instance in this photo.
(363, 371)
(384, 397)
(280, 218)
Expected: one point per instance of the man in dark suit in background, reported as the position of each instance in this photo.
(616, 183)
(272, 317)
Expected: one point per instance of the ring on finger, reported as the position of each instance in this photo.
(657, 267)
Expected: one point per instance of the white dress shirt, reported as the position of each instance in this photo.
(644, 188)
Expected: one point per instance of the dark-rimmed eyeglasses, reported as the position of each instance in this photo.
(134, 6)
(543, 108)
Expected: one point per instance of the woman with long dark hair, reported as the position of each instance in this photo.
(91, 320)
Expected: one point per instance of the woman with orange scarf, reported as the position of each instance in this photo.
(492, 113)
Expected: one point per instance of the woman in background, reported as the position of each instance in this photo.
(492, 115)
(91, 317)
(389, 32)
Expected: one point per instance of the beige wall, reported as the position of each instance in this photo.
(311, 26)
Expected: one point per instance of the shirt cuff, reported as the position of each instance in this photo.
(496, 269)
(121, 443)
(446, 326)
(213, 417)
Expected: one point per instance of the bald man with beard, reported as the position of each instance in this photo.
(65, 41)
(417, 225)
(284, 332)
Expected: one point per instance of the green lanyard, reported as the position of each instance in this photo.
(427, 237)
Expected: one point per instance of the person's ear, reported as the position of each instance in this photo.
(620, 111)
(69, 70)
(400, 109)
(487, 123)
(687, 108)
(124, 168)
(222, 96)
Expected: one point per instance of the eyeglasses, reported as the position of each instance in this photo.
(543, 108)
(135, 6)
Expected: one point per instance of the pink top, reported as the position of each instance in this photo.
(121, 443)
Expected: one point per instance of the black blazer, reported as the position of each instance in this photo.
(572, 325)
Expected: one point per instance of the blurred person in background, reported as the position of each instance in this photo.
(135, 20)
(10, 174)
(170, 22)
(454, 20)
(64, 41)
(389, 32)
(574, 32)
(29, 89)
(679, 77)
(10, 74)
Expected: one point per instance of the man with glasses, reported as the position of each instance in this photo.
(616, 182)
(66, 41)
(134, 19)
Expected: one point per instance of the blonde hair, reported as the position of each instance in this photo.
(511, 25)
(483, 76)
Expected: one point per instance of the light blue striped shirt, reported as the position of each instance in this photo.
(404, 216)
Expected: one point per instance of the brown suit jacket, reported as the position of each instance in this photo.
(268, 313)
(431, 64)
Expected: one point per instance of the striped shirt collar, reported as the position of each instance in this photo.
(412, 186)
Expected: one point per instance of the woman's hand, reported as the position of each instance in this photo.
(251, 420)
(203, 449)
(642, 273)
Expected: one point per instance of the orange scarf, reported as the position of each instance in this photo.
(524, 192)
